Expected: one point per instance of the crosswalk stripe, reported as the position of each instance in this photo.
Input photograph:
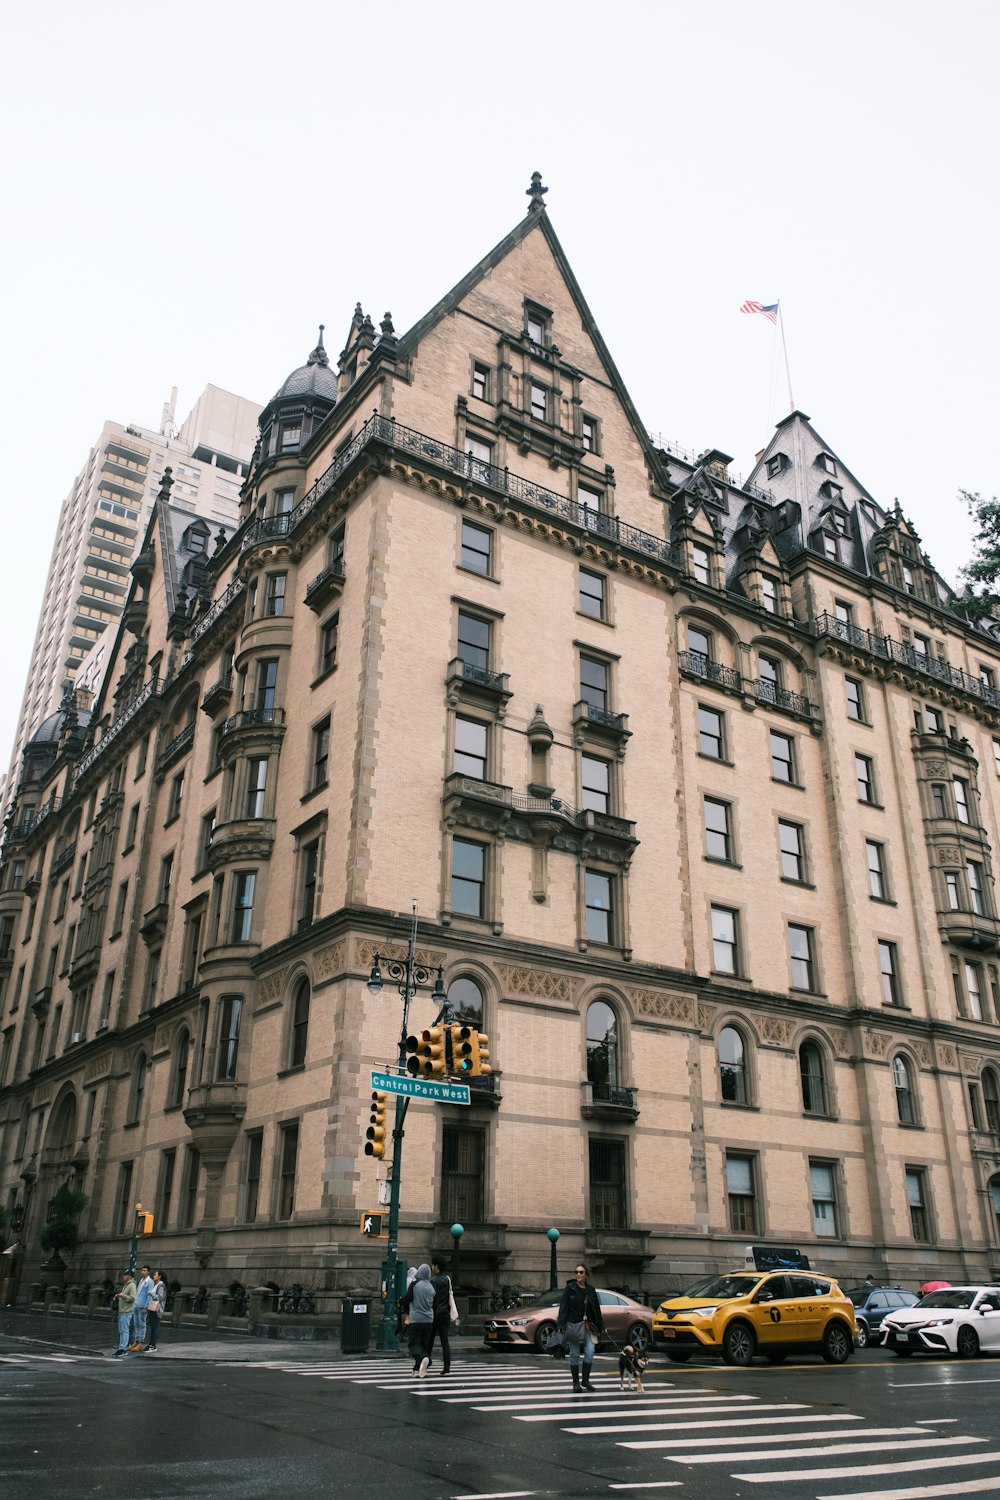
(824, 1450)
(921, 1492)
(656, 1408)
(687, 1426)
(789, 1437)
(788, 1476)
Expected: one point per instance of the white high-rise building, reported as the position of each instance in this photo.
(101, 523)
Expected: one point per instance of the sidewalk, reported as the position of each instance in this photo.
(206, 1346)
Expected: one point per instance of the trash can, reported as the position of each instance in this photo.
(355, 1326)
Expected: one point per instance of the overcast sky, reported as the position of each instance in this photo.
(189, 189)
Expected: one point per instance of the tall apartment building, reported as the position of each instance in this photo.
(100, 523)
(695, 783)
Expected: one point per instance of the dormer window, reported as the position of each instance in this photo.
(776, 465)
(769, 593)
(831, 547)
(196, 538)
(909, 583)
(825, 461)
(291, 436)
(701, 563)
(832, 491)
(537, 324)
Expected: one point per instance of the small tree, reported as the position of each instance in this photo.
(62, 1229)
(981, 576)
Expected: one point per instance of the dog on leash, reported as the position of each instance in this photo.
(631, 1363)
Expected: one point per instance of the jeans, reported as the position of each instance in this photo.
(124, 1325)
(154, 1328)
(588, 1351)
(139, 1319)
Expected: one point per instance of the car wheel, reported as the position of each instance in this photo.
(776, 1356)
(837, 1344)
(967, 1342)
(863, 1335)
(678, 1356)
(638, 1337)
(543, 1336)
(738, 1344)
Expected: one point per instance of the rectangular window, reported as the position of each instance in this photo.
(855, 699)
(189, 1190)
(782, 757)
(192, 949)
(975, 1106)
(477, 544)
(800, 953)
(308, 878)
(539, 401)
(133, 823)
(939, 802)
(165, 1187)
(244, 886)
(952, 891)
(865, 777)
(977, 889)
(769, 593)
(588, 434)
(328, 641)
(599, 907)
(123, 1200)
(843, 612)
(933, 722)
(176, 797)
(916, 1197)
(822, 1187)
(288, 1153)
(274, 599)
(718, 835)
(251, 1175)
(700, 645)
(888, 963)
(961, 789)
(711, 733)
(284, 502)
(592, 603)
(205, 839)
(320, 767)
(256, 787)
(792, 847)
(471, 746)
(468, 878)
(481, 381)
(608, 1195)
(741, 1194)
(473, 641)
(166, 877)
(921, 644)
(725, 941)
(463, 1174)
(974, 990)
(701, 561)
(595, 776)
(230, 1015)
(267, 683)
(878, 885)
(594, 683)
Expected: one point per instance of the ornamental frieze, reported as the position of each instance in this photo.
(665, 1006)
(269, 987)
(706, 1017)
(947, 1056)
(839, 1043)
(330, 960)
(98, 1067)
(876, 1042)
(537, 984)
(924, 1053)
(365, 950)
(950, 856)
(774, 1029)
(936, 767)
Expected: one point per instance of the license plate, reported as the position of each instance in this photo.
(669, 1333)
(902, 1338)
(492, 1335)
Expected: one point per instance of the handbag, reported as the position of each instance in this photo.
(452, 1306)
(576, 1332)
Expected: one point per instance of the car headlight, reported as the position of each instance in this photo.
(705, 1312)
(939, 1323)
(517, 1322)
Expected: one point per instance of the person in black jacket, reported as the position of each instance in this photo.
(579, 1320)
(441, 1282)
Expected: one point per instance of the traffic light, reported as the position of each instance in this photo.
(480, 1059)
(143, 1224)
(461, 1049)
(375, 1134)
(427, 1058)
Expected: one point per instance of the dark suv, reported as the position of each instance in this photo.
(871, 1303)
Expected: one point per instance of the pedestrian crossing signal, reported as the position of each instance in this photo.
(371, 1225)
(375, 1134)
(143, 1224)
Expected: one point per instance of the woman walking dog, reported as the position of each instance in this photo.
(579, 1320)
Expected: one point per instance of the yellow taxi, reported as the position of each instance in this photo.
(748, 1312)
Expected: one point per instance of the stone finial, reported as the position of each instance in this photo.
(540, 736)
(319, 356)
(220, 539)
(386, 327)
(166, 483)
(536, 193)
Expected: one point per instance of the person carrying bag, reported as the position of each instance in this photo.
(579, 1321)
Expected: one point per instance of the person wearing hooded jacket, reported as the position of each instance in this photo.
(418, 1301)
(580, 1309)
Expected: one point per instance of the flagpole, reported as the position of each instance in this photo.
(784, 350)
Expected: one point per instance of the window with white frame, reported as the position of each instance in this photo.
(471, 747)
(823, 1190)
(732, 1056)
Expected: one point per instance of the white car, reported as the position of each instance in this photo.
(955, 1320)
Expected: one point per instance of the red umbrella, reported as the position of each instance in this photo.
(933, 1286)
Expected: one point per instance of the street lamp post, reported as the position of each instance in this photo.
(553, 1235)
(457, 1230)
(409, 977)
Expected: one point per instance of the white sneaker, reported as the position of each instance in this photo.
(423, 1367)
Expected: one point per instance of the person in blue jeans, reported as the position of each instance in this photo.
(579, 1320)
(139, 1313)
(124, 1300)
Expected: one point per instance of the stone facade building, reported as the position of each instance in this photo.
(695, 783)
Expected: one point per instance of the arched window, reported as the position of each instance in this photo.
(64, 1125)
(733, 1066)
(466, 1001)
(813, 1079)
(602, 1045)
(903, 1084)
(299, 1026)
(991, 1100)
(138, 1089)
(182, 1057)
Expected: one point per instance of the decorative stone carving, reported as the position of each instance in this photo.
(924, 1053)
(269, 986)
(365, 951)
(774, 1029)
(876, 1042)
(537, 984)
(949, 856)
(665, 1006)
(330, 960)
(839, 1043)
(947, 1057)
(706, 1017)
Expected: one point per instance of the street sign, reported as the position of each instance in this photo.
(420, 1088)
(371, 1225)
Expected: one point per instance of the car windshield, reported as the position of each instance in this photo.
(547, 1299)
(722, 1286)
(955, 1296)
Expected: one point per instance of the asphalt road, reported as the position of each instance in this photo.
(227, 1419)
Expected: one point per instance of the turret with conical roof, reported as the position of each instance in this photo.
(299, 405)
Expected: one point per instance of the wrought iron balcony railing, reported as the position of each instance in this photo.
(151, 689)
(696, 664)
(767, 691)
(886, 649)
(250, 718)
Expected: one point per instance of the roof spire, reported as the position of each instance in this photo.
(536, 193)
(319, 355)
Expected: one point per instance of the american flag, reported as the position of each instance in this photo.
(770, 310)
